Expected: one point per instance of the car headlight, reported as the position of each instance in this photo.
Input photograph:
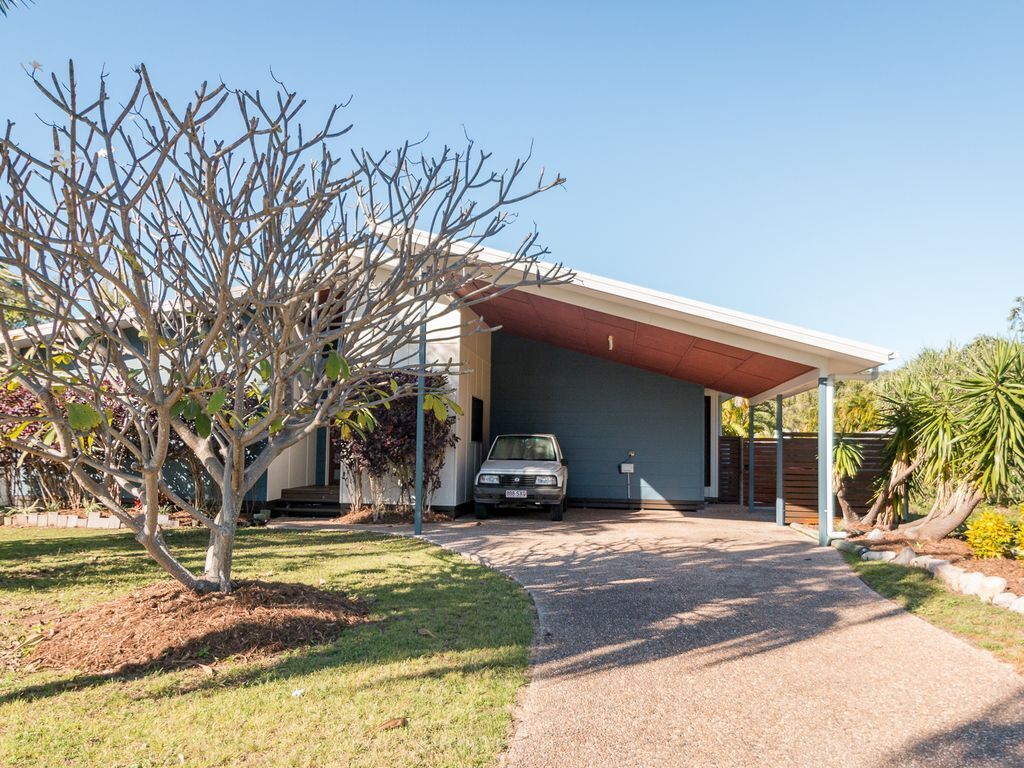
(488, 480)
(546, 480)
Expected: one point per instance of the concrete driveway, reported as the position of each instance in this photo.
(720, 640)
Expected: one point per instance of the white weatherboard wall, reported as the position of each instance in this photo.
(474, 382)
(474, 354)
(293, 468)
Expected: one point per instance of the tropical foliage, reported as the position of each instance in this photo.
(736, 415)
(970, 434)
(9, 5)
(385, 452)
(990, 534)
(846, 462)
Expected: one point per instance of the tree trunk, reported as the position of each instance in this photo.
(899, 474)
(949, 512)
(156, 547)
(219, 551)
(218, 557)
(354, 480)
(849, 516)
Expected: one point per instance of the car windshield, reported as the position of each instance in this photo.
(523, 448)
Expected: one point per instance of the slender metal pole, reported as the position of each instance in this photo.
(780, 499)
(826, 492)
(418, 514)
(751, 456)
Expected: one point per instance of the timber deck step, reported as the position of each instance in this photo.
(325, 493)
(308, 501)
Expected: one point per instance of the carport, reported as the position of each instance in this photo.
(614, 368)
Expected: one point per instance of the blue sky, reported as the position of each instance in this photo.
(854, 167)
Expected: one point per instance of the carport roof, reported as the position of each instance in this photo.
(721, 349)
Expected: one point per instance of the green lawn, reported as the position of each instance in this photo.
(995, 629)
(456, 687)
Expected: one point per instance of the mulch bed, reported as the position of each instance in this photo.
(364, 516)
(165, 626)
(958, 553)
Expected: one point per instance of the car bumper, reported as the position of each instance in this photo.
(535, 496)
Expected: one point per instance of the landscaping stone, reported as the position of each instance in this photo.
(971, 583)
(872, 554)
(934, 564)
(846, 546)
(1017, 605)
(990, 587)
(950, 575)
(1004, 599)
(52, 519)
(906, 556)
(875, 534)
(93, 521)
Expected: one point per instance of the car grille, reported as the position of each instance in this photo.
(518, 481)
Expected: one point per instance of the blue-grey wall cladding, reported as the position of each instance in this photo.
(600, 410)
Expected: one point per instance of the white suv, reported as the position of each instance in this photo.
(523, 471)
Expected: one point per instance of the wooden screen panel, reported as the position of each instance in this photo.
(800, 473)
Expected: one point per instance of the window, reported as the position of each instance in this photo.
(477, 420)
(523, 448)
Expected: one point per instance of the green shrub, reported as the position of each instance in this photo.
(991, 534)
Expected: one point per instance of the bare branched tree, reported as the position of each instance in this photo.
(218, 273)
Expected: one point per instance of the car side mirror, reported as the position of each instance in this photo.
(565, 462)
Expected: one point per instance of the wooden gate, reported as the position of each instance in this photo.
(729, 471)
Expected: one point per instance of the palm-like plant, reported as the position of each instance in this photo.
(847, 458)
(898, 417)
(735, 418)
(857, 408)
(970, 434)
(7, 5)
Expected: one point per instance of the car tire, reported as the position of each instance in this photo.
(558, 511)
(481, 511)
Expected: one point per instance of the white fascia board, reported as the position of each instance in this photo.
(707, 321)
(801, 383)
(675, 321)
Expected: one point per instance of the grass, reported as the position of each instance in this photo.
(456, 687)
(986, 626)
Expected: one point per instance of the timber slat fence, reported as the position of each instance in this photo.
(800, 472)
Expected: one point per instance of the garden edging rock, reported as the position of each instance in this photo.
(988, 589)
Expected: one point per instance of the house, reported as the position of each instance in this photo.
(611, 368)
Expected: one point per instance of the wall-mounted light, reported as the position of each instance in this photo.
(611, 343)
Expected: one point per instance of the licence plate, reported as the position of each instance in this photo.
(515, 494)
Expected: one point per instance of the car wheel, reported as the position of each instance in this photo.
(558, 510)
(481, 511)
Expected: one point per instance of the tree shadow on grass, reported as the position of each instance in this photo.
(417, 612)
(116, 560)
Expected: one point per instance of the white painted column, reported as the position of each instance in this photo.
(780, 499)
(716, 433)
(751, 457)
(826, 439)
